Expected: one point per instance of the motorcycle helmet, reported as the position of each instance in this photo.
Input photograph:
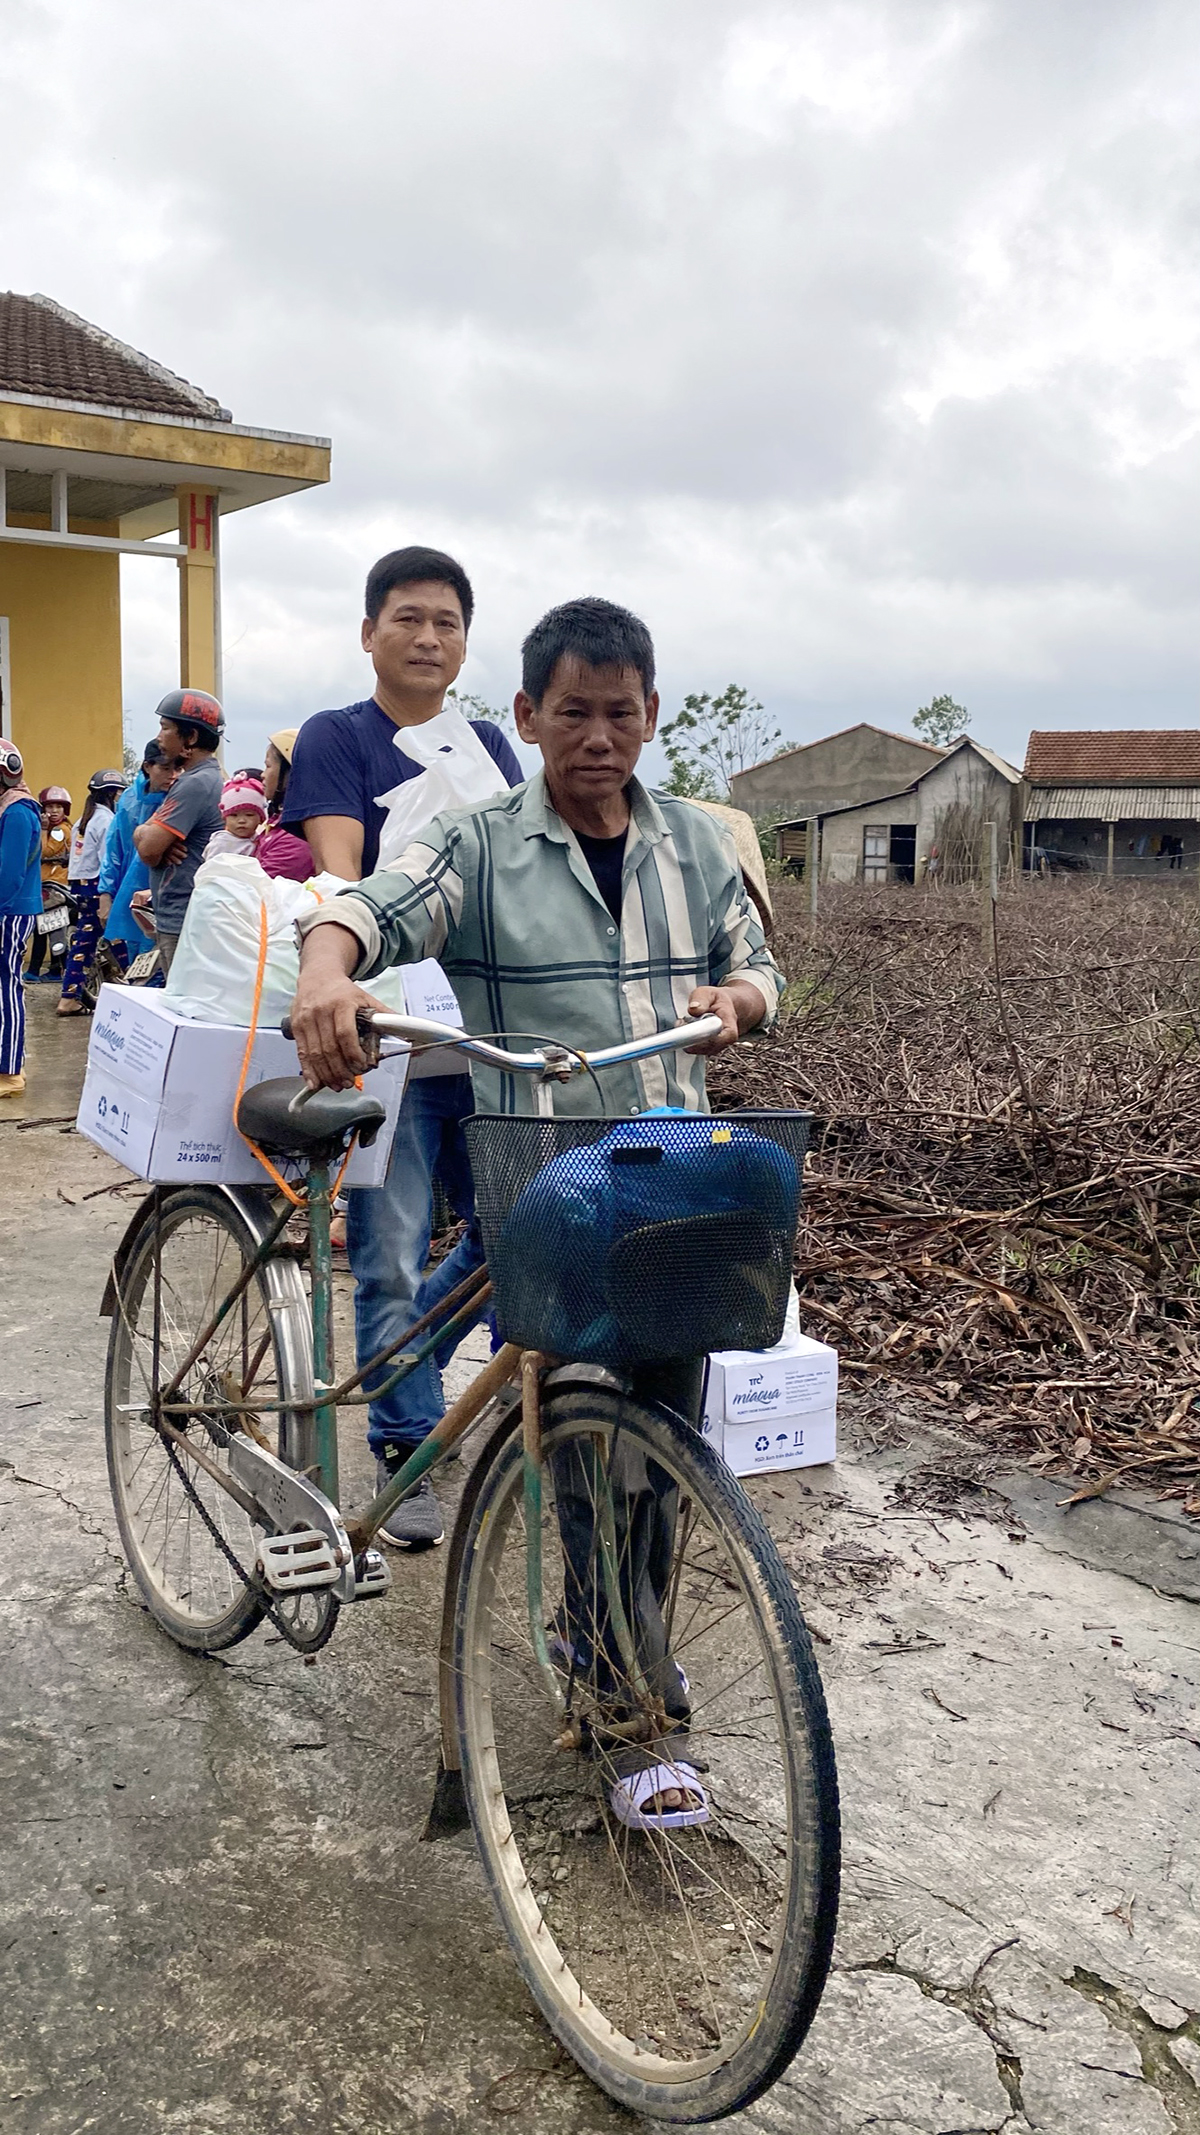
(12, 763)
(108, 782)
(193, 707)
(54, 793)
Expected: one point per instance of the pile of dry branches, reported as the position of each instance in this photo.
(1003, 1200)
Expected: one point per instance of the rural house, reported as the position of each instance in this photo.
(833, 773)
(933, 824)
(1121, 803)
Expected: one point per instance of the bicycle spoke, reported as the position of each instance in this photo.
(178, 1516)
(670, 1932)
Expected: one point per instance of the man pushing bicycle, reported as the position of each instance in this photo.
(578, 904)
(631, 1714)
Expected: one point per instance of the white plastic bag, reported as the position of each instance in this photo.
(213, 971)
(457, 772)
(215, 967)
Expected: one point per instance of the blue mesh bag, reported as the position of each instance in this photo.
(632, 1241)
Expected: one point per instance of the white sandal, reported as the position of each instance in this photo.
(627, 1796)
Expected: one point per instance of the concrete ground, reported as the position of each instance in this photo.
(215, 1912)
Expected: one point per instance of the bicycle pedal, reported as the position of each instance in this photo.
(371, 1575)
(303, 1558)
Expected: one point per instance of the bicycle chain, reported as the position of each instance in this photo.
(250, 1581)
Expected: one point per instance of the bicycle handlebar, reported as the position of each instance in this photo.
(561, 1060)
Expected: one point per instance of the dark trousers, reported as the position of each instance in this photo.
(38, 955)
(85, 934)
(645, 1509)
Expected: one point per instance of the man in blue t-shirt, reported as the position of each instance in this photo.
(418, 612)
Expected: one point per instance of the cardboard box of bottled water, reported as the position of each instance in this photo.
(773, 1408)
(159, 1092)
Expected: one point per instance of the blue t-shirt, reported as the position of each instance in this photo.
(343, 759)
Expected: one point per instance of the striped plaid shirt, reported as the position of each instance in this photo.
(502, 895)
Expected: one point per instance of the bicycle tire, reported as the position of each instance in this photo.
(187, 1582)
(673, 2073)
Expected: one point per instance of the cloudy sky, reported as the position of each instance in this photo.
(855, 344)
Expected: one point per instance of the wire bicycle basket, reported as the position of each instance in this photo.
(639, 1240)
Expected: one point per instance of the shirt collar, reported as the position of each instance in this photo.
(540, 819)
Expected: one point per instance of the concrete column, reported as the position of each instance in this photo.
(199, 592)
(1112, 832)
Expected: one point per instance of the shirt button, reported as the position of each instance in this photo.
(612, 930)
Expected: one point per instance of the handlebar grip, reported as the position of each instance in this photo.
(368, 1036)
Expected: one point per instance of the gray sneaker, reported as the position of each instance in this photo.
(417, 1521)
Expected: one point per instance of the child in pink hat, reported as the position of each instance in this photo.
(244, 807)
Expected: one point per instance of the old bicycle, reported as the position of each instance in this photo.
(614, 1604)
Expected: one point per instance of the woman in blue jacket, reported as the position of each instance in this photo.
(20, 902)
(121, 871)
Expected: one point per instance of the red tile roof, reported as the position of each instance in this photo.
(54, 355)
(1117, 758)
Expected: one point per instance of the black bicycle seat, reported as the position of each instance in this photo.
(319, 1131)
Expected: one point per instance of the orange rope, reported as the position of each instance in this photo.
(288, 1191)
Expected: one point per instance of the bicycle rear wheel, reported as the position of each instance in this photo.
(681, 1967)
(180, 1528)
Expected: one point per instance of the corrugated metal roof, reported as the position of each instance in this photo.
(1113, 804)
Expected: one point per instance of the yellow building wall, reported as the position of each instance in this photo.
(64, 618)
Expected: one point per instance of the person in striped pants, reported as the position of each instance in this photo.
(20, 902)
(83, 873)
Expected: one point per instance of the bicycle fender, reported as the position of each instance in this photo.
(251, 1203)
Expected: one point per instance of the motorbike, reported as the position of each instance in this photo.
(56, 919)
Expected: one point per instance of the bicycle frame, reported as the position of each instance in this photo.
(453, 1315)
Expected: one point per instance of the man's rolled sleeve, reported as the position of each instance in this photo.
(347, 911)
(402, 914)
(767, 979)
(739, 951)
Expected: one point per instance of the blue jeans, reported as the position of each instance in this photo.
(387, 1237)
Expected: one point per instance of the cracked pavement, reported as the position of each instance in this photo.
(216, 1912)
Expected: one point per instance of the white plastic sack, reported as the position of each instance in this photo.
(457, 772)
(213, 972)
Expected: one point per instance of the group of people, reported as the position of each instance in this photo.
(202, 815)
(574, 903)
(39, 848)
(128, 893)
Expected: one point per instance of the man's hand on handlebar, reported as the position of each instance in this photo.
(325, 1009)
(739, 1006)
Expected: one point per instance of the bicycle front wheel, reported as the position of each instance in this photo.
(680, 1965)
(183, 1534)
